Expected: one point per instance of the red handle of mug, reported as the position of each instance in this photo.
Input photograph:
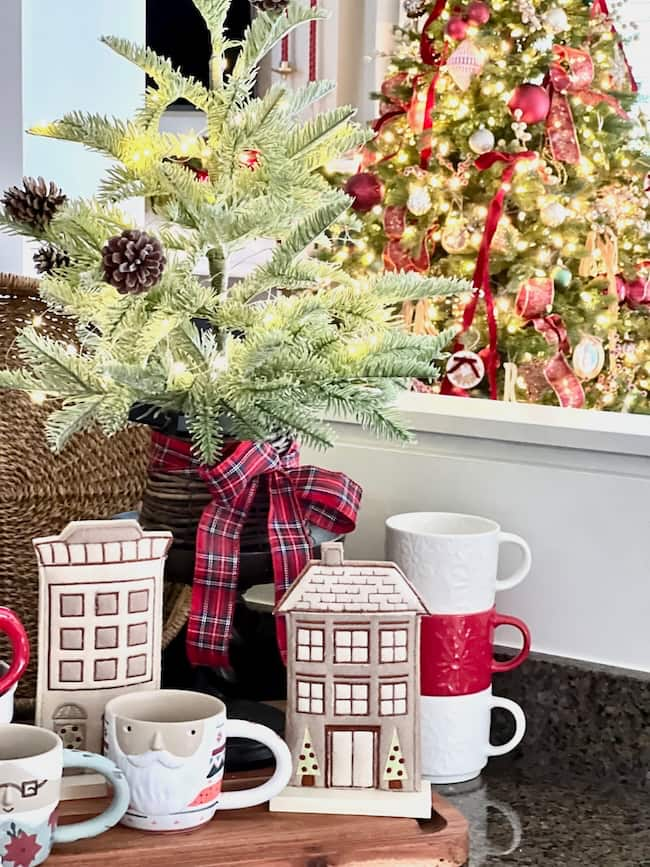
(15, 631)
(522, 656)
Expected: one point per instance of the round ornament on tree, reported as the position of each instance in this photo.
(478, 13)
(532, 102)
(589, 357)
(457, 28)
(555, 20)
(367, 191)
(465, 369)
(482, 141)
(419, 201)
(455, 237)
(562, 278)
(553, 214)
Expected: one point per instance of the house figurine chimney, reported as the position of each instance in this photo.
(331, 553)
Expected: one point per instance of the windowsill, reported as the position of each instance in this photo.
(618, 433)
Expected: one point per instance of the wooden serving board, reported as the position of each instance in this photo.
(257, 838)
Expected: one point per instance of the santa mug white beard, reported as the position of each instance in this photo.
(171, 747)
(452, 560)
(455, 733)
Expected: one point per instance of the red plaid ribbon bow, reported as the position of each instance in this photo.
(298, 497)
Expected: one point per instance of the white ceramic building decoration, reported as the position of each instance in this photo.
(100, 623)
(353, 690)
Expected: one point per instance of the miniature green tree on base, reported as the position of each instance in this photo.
(274, 352)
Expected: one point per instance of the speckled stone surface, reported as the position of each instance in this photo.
(528, 820)
(588, 721)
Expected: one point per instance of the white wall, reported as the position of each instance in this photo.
(575, 485)
(58, 65)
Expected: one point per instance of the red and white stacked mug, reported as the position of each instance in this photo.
(452, 561)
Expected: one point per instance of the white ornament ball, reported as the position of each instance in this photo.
(589, 357)
(482, 141)
(419, 201)
(465, 369)
(554, 214)
(555, 20)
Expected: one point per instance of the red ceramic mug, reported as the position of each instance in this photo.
(457, 652)
(11, 626)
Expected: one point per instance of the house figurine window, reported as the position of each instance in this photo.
(351, 699)
(351, 646)
(311, 697)
(392, 699)
(310, 645)
(393, 643)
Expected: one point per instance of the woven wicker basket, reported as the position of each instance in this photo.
(94, 477)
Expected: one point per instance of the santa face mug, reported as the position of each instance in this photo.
(31, 765)
(10, 673)
(452, 560)
(171, 746)
(456, 735)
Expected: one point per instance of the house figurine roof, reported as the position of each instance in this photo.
(335, 585)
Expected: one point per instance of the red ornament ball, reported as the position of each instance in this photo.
(478, 13)
(532, 101)
(366, 190)
(457, 28)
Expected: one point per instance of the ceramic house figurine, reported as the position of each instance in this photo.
(100, 623)
(353, 690)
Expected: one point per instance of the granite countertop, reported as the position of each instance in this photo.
(522, 819)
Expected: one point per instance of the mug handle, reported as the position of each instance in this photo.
(522, 656)
(112, 814)
(15, 631)
(520, 726)
(237, 728)
(515, 824)
(518, 576)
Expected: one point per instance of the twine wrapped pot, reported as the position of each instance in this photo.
(94, 477)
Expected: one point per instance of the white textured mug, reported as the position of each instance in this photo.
(456, 735)
(452, 560)
(171, 746)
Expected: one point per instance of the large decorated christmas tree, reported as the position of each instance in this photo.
(510, 150)
(255, 358)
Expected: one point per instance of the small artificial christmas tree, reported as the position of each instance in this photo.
(308, 768)
(395, 770)
(264, 357)
(508, 152)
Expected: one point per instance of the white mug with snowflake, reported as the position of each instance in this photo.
(32, 760)
(171, 747)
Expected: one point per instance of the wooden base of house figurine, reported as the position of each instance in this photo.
(100, 623)
(353, 703)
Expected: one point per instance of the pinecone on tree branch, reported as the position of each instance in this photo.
(49, 258)
(35, 203)
(133, 261)
(276, 6)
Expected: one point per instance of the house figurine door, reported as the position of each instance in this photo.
(353, 760)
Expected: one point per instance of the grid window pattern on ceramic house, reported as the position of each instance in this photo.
(351, 699)
(310, 696)
(310, 645)
(393, 699)
(352, 646)
(393, 645)
(109, 626)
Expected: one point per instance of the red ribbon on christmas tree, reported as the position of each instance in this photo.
(482, 271)
(600, 7)
(572, 72)
(298, 497)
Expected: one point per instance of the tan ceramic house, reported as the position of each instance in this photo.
(100, 623)
(353, 689)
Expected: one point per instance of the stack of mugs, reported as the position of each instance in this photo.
(452, 561)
